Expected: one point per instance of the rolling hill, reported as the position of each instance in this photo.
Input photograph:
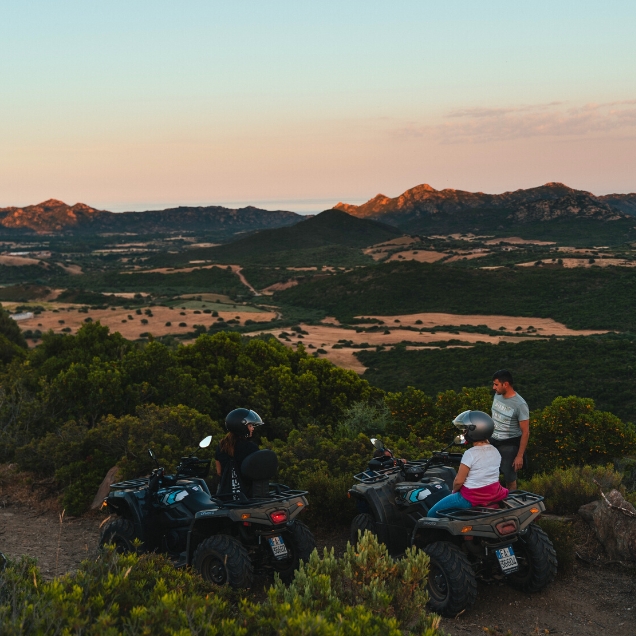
(331, 237)
(424, 209)
(56, 217)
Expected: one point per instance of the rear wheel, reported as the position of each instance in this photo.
(121, 533)
(361, 523)
(452, 587)
(537, 561)
(302, 545)
(222, 560)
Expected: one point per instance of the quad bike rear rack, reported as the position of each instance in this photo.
(514, 501)
(277, 493)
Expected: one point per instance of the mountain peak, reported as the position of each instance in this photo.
(51, 203)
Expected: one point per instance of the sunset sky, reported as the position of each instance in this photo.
(298, 105)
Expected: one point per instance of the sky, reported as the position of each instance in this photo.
(298, 105)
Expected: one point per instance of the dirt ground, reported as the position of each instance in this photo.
(589, 600)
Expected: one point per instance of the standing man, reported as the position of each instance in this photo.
(512, 426)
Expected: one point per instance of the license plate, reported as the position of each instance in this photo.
(507, 560)
(279, 549)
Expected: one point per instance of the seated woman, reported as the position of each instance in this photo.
(234, 448)
(477, 480)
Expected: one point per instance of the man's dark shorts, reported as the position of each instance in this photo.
(508, 449)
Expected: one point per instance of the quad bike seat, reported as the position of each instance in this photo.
(260, 467)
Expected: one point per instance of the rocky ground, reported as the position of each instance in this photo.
(594, 597)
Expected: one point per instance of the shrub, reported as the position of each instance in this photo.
(566, 490)
(570, 431)
(363, 417)
(364, 592)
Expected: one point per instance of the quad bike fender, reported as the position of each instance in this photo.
(497, 525)
(216, 520)
(129, 505)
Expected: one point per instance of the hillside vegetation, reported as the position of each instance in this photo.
(602, 368)
(309, 242)
(591, 298)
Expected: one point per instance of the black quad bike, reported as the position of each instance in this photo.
(225, 537)
(486, 543)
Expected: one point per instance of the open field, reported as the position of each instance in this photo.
(546, 326)
(325, 336)
(571, 263)
(129, 323)
(422, 256)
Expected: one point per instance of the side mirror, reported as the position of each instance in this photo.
(152, 455)
(204, 443)
(460, 440)
(377, 443)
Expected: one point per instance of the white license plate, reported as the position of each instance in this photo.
(279, 550)
(507, 560)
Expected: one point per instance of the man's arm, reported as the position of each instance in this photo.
(524, 425)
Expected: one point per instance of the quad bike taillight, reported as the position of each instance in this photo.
(506, 527)
(280, 516)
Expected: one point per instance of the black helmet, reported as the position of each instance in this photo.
(237, 420)
(475, 425)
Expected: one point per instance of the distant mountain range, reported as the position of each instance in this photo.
(424, 209)
(419, 210)
(56, 217)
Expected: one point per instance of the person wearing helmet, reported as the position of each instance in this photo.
(477, 480)
(234, 448)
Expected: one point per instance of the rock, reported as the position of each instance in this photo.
(614, 522)
(112, 476)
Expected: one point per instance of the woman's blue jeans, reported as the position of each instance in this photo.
(450, 501)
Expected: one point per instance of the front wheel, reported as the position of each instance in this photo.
(121, 533)
(452, 587)
(222, 560)
(361, 523)
(302, 545)
(537, 561)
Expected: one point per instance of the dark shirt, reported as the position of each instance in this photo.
(243, 448)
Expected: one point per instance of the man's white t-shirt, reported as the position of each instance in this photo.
(484, 462)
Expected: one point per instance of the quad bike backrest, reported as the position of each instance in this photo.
(260, 467)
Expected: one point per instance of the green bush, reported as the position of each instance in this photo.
(415, 412)
(363, 417)
(364, 592)
(566, 490)
(570, 431)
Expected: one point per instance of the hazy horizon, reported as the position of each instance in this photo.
(153, 105)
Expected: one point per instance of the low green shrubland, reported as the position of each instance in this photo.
(363, 592)
(571, 431)
(578, 297)
(567, 489)
(76, 406)
(598, 367)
